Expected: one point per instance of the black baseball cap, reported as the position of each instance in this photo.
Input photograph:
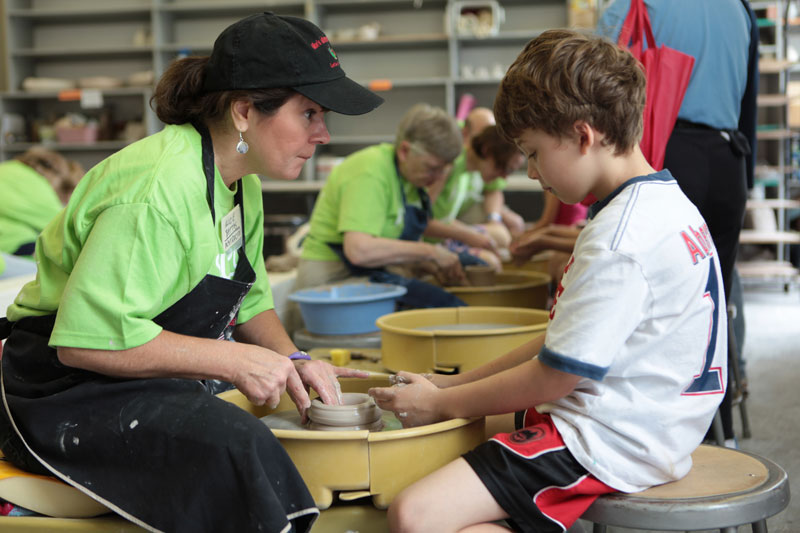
(266, 51)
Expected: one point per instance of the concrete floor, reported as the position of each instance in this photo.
(772, 366)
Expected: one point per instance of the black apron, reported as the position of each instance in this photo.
(164, 453)
(419, 294)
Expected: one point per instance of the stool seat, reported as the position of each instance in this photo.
(725, 488)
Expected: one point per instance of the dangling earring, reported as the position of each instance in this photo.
(242, 147)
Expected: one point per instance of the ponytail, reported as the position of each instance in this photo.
(179, 97)
(178, 94)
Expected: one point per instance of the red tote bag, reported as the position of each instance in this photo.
(668, 72)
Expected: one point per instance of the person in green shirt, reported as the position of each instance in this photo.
(34, 187)
(486, 201)
(374, 208)
(485, 161)
(116, 350)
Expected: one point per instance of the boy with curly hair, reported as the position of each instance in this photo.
(624, 384)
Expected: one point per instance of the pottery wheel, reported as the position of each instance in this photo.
(291, 420)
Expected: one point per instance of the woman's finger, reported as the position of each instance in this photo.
(343, 372)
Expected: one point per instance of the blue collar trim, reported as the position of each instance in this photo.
(661, 175)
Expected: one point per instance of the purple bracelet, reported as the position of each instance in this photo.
(300, 354)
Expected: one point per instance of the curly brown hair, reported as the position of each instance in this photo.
(563, 76)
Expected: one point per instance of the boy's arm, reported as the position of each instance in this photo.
(509, 388)
(515, 357)
(529, 384)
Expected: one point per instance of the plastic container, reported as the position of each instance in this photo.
(77, 135)
(480, 275)
(349, 309)
(431, 340)
(512, 289)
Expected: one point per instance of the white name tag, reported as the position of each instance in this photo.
(231, 227)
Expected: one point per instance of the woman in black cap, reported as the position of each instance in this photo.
(115, 350)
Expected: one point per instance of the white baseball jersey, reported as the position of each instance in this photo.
(640, 315)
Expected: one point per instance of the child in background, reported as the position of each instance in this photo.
(34, 187)
(486, 159)
(624, 384)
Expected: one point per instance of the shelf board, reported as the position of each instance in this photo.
(402, 4)
(478, 81)
(106, 51)
(379, 85)
(503, 37)
(99, 146)
(778, 134)
(773, 66)
(748, 236)
(225, 8)
(392, 41)
(54, 95)
(766, 269)
(773, 203)
(102, 12)
(766, 170)
(772, 100)
(193, 48)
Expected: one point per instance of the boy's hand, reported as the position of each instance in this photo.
(412, 400)
(527, 245)
(441, 380)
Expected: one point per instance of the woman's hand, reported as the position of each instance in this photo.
(450, 272)
(263, 375)
(323, 378)
(412, 400)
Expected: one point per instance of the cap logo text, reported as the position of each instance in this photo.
(319, 42)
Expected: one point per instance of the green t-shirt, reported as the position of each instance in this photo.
(28, 204)
(361, 194)
(136, 237)
(462, 190)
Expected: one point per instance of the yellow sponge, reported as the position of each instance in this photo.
(340, 357)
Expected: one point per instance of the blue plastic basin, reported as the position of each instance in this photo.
(346, 309)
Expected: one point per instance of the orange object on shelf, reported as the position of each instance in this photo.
(380, 85)
(69, 95)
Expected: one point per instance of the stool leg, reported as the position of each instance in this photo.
(739, 395)
(729, 530)
(760, 526)
(599, 528)
(716, 428)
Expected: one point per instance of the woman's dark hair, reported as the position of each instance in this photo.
(179, 97)
(491, 143)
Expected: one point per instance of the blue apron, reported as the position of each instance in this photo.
(420, 294)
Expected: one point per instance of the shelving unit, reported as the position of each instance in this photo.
(415, 57)
(774, 169)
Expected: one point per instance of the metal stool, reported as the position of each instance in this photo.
(724, 489)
